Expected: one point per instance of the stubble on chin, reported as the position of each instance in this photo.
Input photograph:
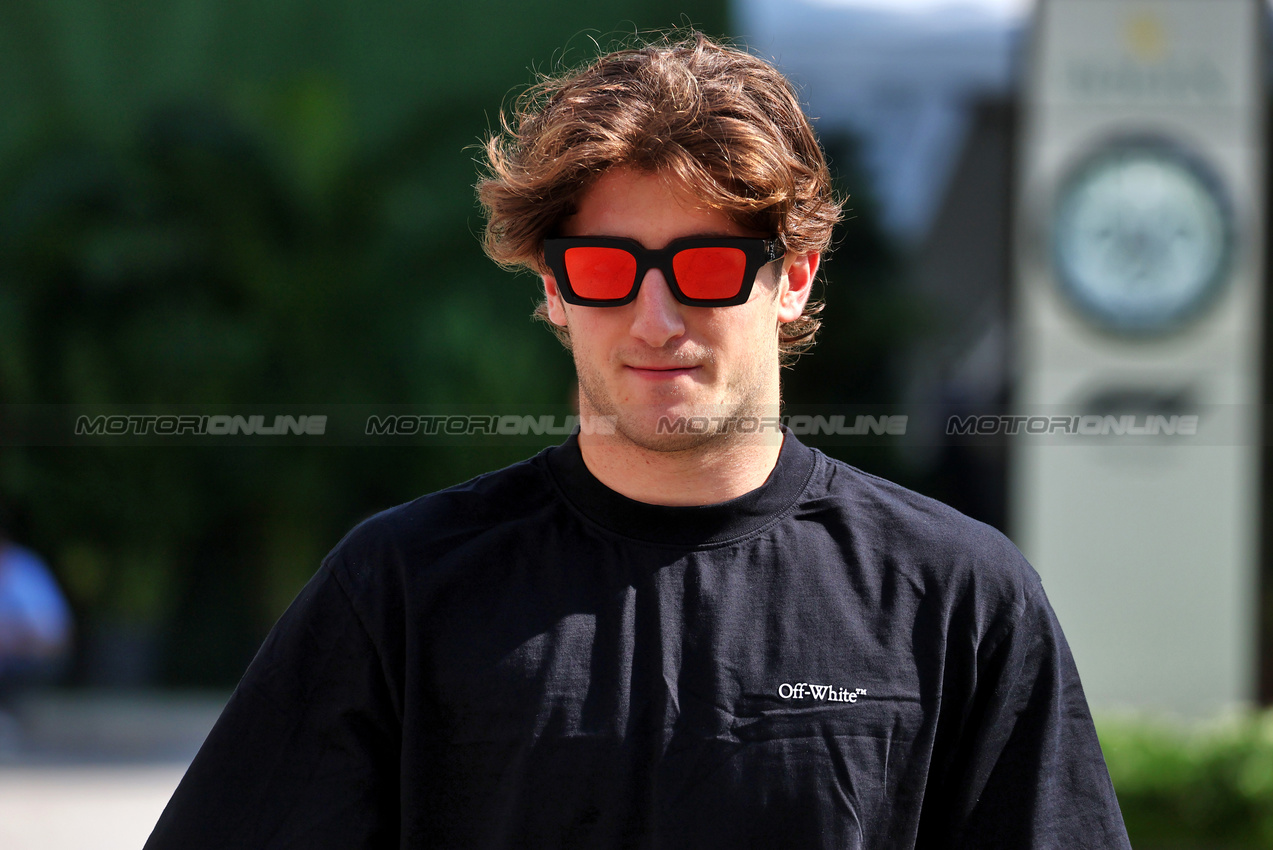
(680, 426)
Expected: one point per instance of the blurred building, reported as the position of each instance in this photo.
(927, 92)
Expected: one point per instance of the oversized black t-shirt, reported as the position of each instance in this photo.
(532, 660)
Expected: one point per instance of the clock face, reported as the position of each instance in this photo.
(1141, 237)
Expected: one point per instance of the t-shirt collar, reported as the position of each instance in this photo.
(682, 525)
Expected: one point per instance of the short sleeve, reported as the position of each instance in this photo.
(1027, 771)
(306, 753)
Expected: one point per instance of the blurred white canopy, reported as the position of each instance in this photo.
(999, 8)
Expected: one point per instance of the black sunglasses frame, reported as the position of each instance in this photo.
(758, 252)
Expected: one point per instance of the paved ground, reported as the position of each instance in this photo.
(84, 770)
(78, 807)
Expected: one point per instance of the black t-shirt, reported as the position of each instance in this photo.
(532, 660)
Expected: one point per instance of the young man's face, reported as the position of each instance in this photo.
(655, 357)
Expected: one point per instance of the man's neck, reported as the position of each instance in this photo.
(716, 471)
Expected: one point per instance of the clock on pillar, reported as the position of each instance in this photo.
(1138, 306)
(1141, 236)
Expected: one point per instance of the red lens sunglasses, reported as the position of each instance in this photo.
(707, 271)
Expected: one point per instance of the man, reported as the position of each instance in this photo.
(658, 635)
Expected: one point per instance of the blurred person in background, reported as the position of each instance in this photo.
(35, 625)
(681, 627)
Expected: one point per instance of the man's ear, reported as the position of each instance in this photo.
(552, 299)
(798, 274)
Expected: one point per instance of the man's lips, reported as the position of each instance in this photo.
(660, 371)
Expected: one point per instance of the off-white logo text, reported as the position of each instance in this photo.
(826, 693)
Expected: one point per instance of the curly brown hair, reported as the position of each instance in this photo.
(723, 122)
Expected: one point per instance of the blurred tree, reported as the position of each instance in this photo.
(217, 201)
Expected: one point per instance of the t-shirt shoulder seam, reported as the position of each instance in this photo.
(1026, 590)
(331, 565)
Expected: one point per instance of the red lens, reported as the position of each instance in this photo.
(709, 272)
(600, 273)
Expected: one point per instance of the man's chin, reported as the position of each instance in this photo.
(665, 443)
(678, 429)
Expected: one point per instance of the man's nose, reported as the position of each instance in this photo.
(657, 317)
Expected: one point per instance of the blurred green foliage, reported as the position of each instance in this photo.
(219, 201)
(1193, 786)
